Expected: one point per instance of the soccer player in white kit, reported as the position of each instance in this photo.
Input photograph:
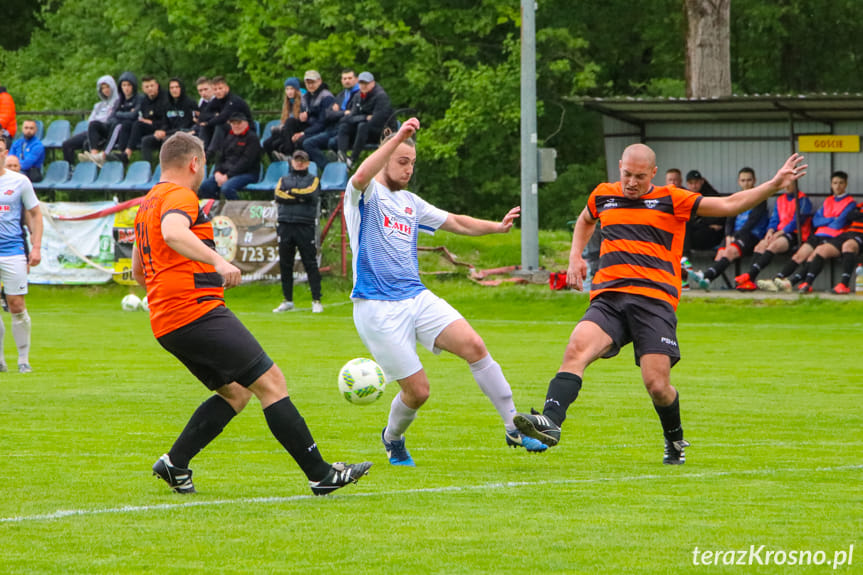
(17, 200)
(393, 309)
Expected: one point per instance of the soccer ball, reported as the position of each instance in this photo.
(144, 305)
(130, 302)
(361, 381)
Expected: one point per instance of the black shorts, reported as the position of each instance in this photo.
(816, 241)
(793, 242)
(218, 349)
(842, 238)
(650, 324)
(745, 243)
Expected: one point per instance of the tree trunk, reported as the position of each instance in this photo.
(708, 52)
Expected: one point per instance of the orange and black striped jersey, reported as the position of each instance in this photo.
(179, 290)
(855, 220)
(642, 240)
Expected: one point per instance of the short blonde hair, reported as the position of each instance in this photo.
(179, 149)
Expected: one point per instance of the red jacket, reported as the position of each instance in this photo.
(7, 113)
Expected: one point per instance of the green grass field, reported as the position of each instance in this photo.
(771, 398)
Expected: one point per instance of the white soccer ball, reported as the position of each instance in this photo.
(130, 302)
(361, 381)
(144, 305)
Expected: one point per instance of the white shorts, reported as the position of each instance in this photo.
(390, 330)
(13, 274)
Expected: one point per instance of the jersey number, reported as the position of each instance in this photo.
(142, 239)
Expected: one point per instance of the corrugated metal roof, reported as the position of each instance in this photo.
(770, 107)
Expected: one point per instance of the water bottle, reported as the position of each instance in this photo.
(858, 282)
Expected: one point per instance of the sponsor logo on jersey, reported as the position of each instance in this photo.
(408, 210)
(651, 203)
(5, 208)
(9, 192)
(401, 228)
(610, 204)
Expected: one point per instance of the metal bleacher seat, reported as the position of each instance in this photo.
(275, 171)
(335, 177)
(83, 176)
(55, 174)
(110, 174)
(268, 129)
(138, 174)
(58, 132)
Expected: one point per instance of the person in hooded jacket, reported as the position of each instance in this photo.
(98, 123)
(280, 145)
(153, 117)
(125, 116)
(179, 117)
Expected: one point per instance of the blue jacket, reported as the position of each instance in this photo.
(790, 226)
(31, 153)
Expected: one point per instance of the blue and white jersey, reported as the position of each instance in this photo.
(383, 227)
(16, 195)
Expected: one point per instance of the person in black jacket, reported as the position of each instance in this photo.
(126, 114)
(228, 104)
(297, 197)
(178, 118)
(208, 108)
(152, 117)
(370, 114)
(702, 233)
(238, 162)
(341, 108)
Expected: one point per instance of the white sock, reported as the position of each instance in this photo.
(489, 376)
(21, 334)
(2, 334)
(401, 416)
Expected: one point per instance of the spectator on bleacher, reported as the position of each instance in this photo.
(208, 108)
(368, 119)
(673, 177)
(297, 198)
(742, 232)
(238, 164)
(781, 235)
(152, 121)
(29, 151)
(829, 223)
(128, 108)
(8, 122)
(228, 104)
(98, 123)
(178, 118)
(317, 101)
(13, 164)
(702, 233)
(280, 145)
(341, 108)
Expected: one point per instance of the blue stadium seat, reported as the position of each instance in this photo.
(335, 177)
(138, 174)
(83, 175)
(257, 128)
(58, 132)
(271, 178)
(80, 127)
(110, 174)
(145, 187)
(268, 129)
(55, 174)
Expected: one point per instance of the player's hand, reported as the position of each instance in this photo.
(230, 273)
(576, 273)
(509, 219)
(35, 257)
(791, 171)
(409, 128)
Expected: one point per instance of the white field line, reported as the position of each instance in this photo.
(63, 513)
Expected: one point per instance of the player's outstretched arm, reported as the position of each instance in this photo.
(468, 226)
(181, 239)
(379, 158)
(792, 170)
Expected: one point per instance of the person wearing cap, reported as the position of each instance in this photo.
(297, 197)
(228, 104)
(370, 115)
(341, 109)
(702, 233)
(317, 100)
(238, 161)
(280, 145)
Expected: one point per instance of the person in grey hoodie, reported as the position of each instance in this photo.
(98, 124)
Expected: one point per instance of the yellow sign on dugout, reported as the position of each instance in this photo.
(828, 143)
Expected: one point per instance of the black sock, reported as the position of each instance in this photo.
(813, 268)
(849, 261)
(759, 264)
(289, 427)
(562, 391)
(788, 269)
(717, 268)
(669, 417)
(205, 425)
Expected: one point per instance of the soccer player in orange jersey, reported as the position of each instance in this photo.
(635, 291)
(176, 260)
